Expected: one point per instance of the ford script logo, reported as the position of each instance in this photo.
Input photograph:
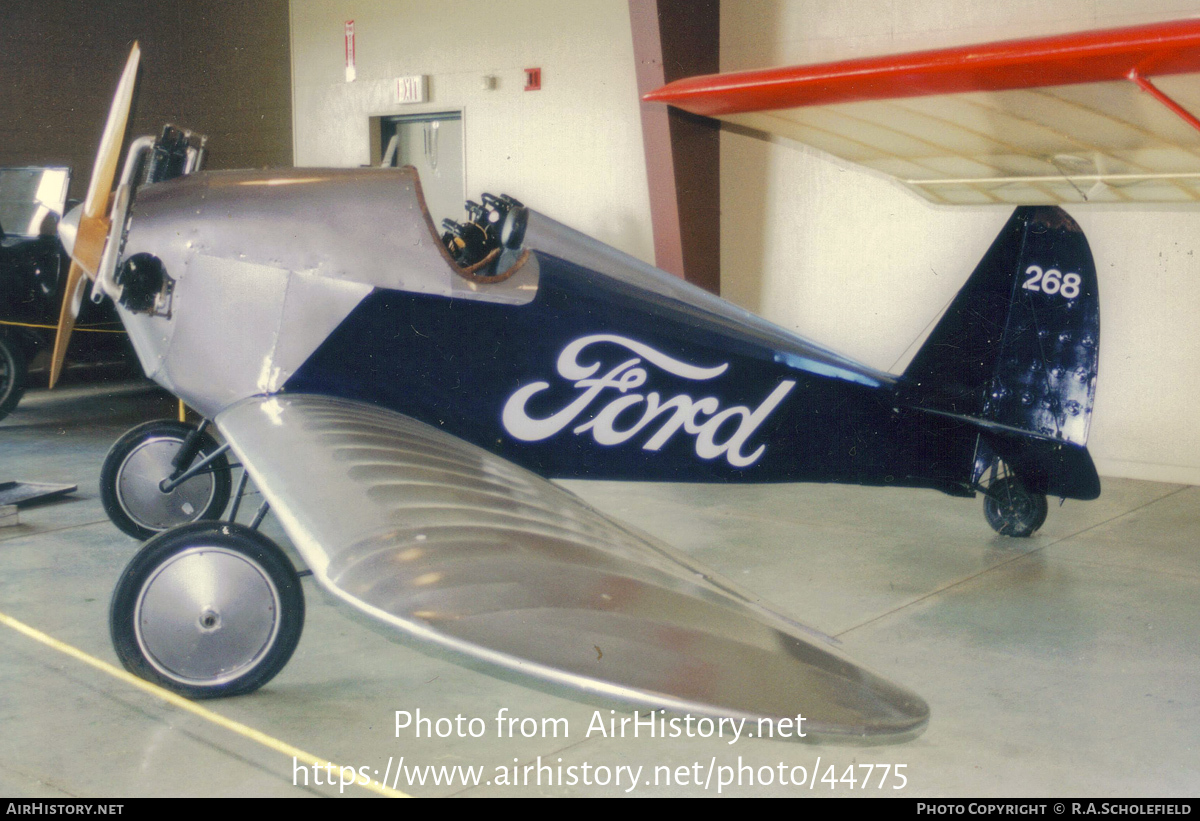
(718, 432)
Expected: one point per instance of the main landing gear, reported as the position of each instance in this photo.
(207, 610)
(163, 474)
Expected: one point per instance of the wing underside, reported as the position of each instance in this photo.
(1061, 119)
(1103, 142)
(445, 542)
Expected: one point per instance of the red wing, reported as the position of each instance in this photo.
(1047, 120)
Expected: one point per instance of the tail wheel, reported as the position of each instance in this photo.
(1012, 510)
(207, 610)
(137, 464)
(12, 376)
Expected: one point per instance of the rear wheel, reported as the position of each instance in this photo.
(207, 610)
(1013, 510)
(130, 481)
(12, 376)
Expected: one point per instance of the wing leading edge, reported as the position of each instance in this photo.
(448, 543)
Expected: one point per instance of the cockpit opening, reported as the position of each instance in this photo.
(488, 243)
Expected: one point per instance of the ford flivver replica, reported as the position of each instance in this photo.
(402, 395)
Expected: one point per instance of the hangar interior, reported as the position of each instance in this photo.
(1062, 664)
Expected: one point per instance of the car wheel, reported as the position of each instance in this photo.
(12, 376)
(207, 610)
(136, 465)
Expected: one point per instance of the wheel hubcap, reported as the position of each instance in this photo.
(206, 616)
(138, 490)
(1017, 509)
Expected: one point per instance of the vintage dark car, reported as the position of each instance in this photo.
(33, 271)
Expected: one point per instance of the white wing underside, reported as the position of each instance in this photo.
(445, 542)
(1096, 142)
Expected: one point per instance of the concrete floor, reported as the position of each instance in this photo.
(1062, 665)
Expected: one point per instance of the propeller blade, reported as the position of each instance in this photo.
(90, 240)
(93, 222)
(109, 154)
(87, 240)
(72, 300)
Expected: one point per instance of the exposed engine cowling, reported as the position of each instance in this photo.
(499, 223)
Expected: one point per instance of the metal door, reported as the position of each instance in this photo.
(433, 144)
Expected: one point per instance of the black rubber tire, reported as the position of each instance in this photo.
(13, 375)
(1012, 510)
(207, 610)
(117, 482)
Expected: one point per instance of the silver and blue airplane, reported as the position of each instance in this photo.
(403, 395)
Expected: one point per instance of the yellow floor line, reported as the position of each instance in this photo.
(190, 706)
(83, 328)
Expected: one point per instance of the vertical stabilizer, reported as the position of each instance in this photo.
(1018, 347)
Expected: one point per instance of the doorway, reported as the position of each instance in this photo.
(433, 144)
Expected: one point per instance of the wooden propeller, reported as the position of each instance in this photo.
(90, 234)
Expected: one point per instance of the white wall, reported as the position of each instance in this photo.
(834, 252)
(851, 259)
(572, 150)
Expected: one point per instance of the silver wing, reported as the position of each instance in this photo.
(446, 542)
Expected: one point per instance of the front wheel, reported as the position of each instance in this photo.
(12, 376)
(1012, 510)
(207, 610)
(136, 465)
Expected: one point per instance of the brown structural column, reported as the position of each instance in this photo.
(674, 39)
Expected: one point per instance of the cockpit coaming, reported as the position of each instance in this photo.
(274, 261)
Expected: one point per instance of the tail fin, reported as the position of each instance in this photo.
(1016, 352)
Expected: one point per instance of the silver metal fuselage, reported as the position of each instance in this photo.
(402, 481)
(265, 265)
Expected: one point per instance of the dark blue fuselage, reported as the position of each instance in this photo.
(600, 379)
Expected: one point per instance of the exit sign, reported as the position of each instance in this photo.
(411, 89)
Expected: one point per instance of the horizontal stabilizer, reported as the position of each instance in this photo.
(1054, 468)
